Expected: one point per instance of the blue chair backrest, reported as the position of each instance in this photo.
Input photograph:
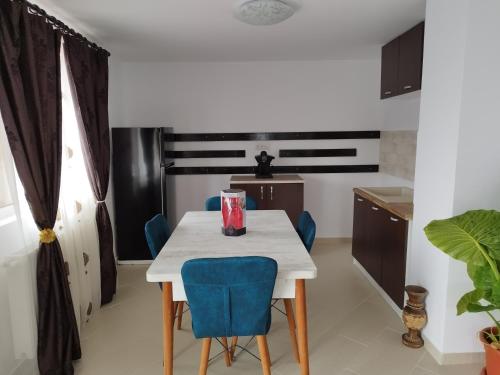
(230, 296)
(157, 234)
(213, 204)
(306, 229)
(251, 203)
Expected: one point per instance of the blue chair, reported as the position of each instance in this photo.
(230, 297)
(157, 234)
(306, 230)
(213, 203)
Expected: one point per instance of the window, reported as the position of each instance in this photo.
(7, 213)
(5, 197)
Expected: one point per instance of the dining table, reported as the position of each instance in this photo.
(269, 233)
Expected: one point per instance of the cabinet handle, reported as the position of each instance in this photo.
(375, 208)
(261, 192)
(388, 92)
(360, 200)
(394, 219)
(271, 193)
(407, 87)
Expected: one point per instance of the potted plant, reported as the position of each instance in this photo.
(474, 238)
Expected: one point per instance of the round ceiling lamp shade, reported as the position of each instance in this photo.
(264, 12)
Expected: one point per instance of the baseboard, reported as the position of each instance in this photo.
(439, 357)
(452, 358)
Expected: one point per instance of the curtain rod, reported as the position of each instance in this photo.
(61, 26)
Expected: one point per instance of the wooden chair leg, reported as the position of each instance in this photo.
(234, 342)
(180, 309)
(205, 354)
(291, 326)
(174, 312)
(264, 355)
(227, 353)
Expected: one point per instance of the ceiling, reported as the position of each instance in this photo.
(205, 30)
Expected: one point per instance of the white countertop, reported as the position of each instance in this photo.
(198, 235)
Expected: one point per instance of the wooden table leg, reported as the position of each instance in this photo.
(301, 316)
(292, 327)
(168, 330)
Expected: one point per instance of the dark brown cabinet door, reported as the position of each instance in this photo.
(288, 197)
(389, 75)
(411, 47)
(394, 234)
(256, 191)
(374, 264)
(379, 243)
(360, 231)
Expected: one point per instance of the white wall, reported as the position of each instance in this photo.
(457, 153)
(265, 96)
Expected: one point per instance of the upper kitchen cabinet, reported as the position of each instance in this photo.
(390, 63)
(402, 63)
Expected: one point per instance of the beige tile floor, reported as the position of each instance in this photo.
(352, 331)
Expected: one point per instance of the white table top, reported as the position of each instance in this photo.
(198, 235)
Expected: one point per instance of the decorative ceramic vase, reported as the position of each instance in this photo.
(414, 316)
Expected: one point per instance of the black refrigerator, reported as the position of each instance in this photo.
(141, 186)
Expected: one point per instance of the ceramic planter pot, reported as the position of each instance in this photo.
(492, 354)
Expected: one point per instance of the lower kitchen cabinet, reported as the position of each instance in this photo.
(279, 193)
(379, 245)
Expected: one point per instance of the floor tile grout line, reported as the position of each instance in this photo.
(417, 364)
(354, 340)
(351, 370)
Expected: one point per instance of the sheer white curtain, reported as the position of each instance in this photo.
(76, 226)
(77, 233)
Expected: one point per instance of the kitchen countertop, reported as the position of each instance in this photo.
(277, 179)
(399, 205)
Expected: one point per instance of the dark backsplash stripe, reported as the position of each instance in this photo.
(307, 153)
(205, 154)
(365, 168)
(271, 136)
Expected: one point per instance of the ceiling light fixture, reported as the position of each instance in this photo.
(264, 12)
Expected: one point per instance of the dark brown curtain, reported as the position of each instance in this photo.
(30, 103)
(88, 69)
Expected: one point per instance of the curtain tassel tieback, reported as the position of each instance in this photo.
(99, 202)
(47, 235)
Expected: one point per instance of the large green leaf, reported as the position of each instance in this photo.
(476, 307)
(482, 276)
(471, 238)
(467, 299)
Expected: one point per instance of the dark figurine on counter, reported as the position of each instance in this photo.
(263, 169)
